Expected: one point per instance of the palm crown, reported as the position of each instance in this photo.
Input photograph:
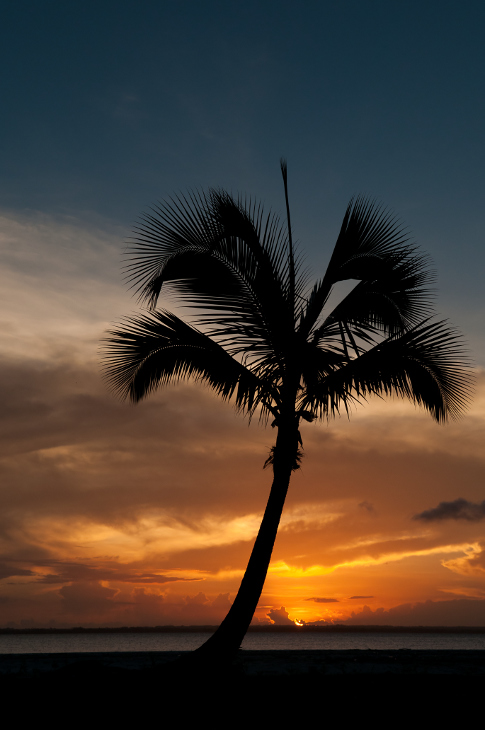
(261, 332)
(263, 339)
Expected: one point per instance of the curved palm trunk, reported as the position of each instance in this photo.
(228, 637)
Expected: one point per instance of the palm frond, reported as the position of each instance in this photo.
(160, 349)
(180, 226)
(425, 364)
(373, 248)
(215, 226)
(226, 259)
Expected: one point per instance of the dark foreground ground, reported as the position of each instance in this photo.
(247, 664)
(276, 685)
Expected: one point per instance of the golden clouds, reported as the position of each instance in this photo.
(473, 563)
(176, 490)
(281, 568)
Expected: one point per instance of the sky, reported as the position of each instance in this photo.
(113, 514)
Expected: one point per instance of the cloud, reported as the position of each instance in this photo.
(323, 600)
(367, 506)
(472, 563)
(90, 603)
(63, 276)
(320, 622)
(280, 617)
(151, 609)
(112, 571)
(359, 597)
(460, 509)
(8, 571)
(88, 598)
(462, 612)
(173, 470)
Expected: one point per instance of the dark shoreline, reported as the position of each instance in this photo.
(269, 629)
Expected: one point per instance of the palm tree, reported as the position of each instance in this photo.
(264, 341)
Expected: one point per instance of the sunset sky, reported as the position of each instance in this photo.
(113, 514)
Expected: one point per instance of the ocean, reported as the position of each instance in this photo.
(180, 641)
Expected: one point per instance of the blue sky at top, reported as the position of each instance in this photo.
(110, 106)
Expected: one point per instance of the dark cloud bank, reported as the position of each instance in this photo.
(460, 509)
(461, 612)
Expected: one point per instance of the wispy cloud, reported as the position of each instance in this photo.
(283, 568)
(60, 284)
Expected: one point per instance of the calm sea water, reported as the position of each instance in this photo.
(66, 643)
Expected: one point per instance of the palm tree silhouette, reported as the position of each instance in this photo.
(264, 340)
